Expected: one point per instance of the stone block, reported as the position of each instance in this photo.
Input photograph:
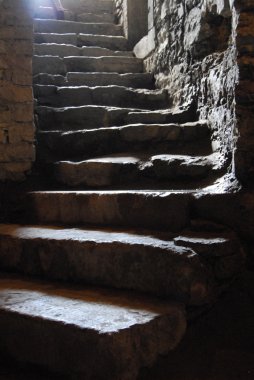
(23, 112)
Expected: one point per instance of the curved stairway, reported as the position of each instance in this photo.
(120, 221)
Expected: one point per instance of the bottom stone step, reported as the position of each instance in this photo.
(85, 333)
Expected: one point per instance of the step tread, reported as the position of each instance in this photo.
(65, 26)
(128, 168)
(85, 318)
(67, 50)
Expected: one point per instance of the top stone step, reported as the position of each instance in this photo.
(89, 6)
(63, 27)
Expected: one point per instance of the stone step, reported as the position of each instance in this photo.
(63, 26)
(85, 333)
(124, 169)
(66, 50)
(56, 38)
(103, 95)
(166, 210)
(154, 138)
(108, 42)
(90, 117)
(45, 12)
(78, 118)
(56, 65)
(90, 6)
(121, 260)
(96, 17)
(142, 80)
(119, 65)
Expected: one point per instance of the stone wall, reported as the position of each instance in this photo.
(119, 10)
(16, 96)
(195, 59)
(244, 155)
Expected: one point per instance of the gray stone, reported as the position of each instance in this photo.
(91, 6)
(59, 50)
(126, 169)
(78, 118)
(48, 319)
(54, 38)
(96, 142)
(139, 80)
(145, 209)
(104, 64)
(90, 51)
(108, 42)
(48, 64)
(96, 17)
(59, 26)
(105, 95)
(121, 260)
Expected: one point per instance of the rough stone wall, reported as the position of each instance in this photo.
(195, 59)
(119, 10)
(244, 155)
(16, 96)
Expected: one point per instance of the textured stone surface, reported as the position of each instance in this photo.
(124, 169)
(157, 138)
(111, 334)
(117, 96)
(159, 210)
(124, 260)
(16, 98)
(59, 26)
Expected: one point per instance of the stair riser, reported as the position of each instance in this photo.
(125, 80)
(47, 38)
(151, 210)
(55, 65)
(99, 175)
(79, 118)
(45, 13)
(89, 6)
(71, 50)
(113, 43)
(97, 18)
(105, 96)
(56, 26)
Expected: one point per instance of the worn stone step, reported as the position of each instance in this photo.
(162, 138)
(60, 50)
(122, 260)
(108, 42)
(128, 168)
(96, 17)
(47, 319)
(49, 64)
(66, 50)
(57, 65)
(90, 117)
(146, 209)
(138, 80)
(89, 6)
(56, 38)
(104, 64)
(63, 26)
(77, 118)
(142, 80)
(117, 96)
(43, 12)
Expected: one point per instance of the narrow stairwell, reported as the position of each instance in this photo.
(117, 231)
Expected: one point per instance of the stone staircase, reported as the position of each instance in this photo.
(117, 227)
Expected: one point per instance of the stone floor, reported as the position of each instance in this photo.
(218, 346)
